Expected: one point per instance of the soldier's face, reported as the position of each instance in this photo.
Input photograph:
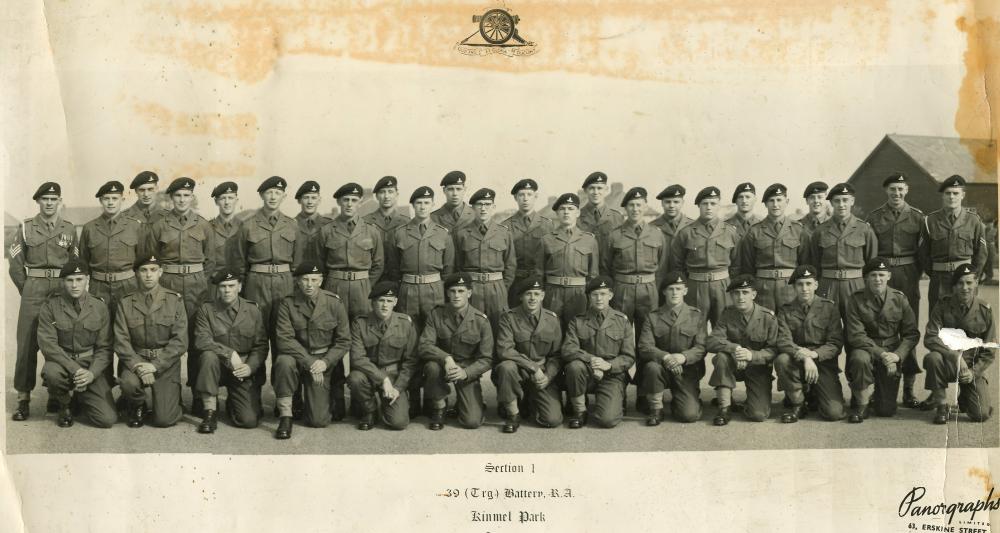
(817, 202)
(111, 203)
(776, 205)
(596, 193)
(600, 299)
(48, 204)
(422, 207)
(182, 200)
(567, 215)
(454, 194)
(146, 193)
(965, 289)
(896, 193)
(226, 203)
(484, 210)
(743, 298)
(383, 306)
(458, 296)
(634, 209)
(805, 289)
(708, 208)
(671, 206)
(76, 285)
(842, 205)
(309, 202)
(532, 299)
(952, 197)
(310, 284)
(525, 199)
(386, 197)
(149, 276)
(675, 294)
(877, 280)
(349, 205)
(229, 291)
(744, 202)
(272, 198)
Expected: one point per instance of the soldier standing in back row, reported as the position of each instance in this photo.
(386, 217)
(897, 226)
(815, 195)
(951, 236)
(596, 217)
(772, 248)
(42, 245)
(454, 214)
(226, 225)
(527, 228)
(670, 222)
(566, 260)
(485, 251)
(310, 222)
(145, 209)
(743, 219)
(840, 247)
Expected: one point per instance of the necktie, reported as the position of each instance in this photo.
(309, 223)
(597, 215)
(149, 300)
(423, 228)
(77, 306)
(638, 231)
(232, 313)
(383, 325)
(534, 320)
(273, 220)
(184, 220)
(350, 225)
(388, 220)
(482, 229)
(711, 228)
(952, 218)
(842, 226)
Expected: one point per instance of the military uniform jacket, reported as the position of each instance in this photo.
(817, 327)
(670, 227)
(162, 326)
(782, 243)
(493, 252)
(742, 225)
(611, 339)
(454, 218)
(835, 249)
(531, 346)
(218, 334)
(386, 224)
(599, 220)
(876, 328)
(63, 333)
(571, 252)
(527, 232)
(945, 241)
(464, 335)
(976, 321)
(110, 244)
(38, 246)
(758, 333)
(811, 223)
(342, 248)
(373, 349)
(309, 230)
(898, 233)
(146, 216)
(413, 253)
(263, 241)
(626, 252)
(300, 331)
(177, 239)
(670, 330)
(699, 248)
(225, 239)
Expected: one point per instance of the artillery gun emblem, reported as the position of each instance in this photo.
(497, 35)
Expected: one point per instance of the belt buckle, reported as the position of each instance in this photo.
(48, 273)
(186, 269)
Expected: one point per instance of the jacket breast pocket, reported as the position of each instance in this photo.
(256, 235)
(855, 240)
(963, 245)
(169, 236)
(651, 251)
(581, 260)
(164, 325)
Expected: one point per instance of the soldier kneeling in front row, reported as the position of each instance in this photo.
(960, 310)
(74, 335)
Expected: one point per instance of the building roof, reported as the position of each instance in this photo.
(941, 157)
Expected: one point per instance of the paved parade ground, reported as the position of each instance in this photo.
(909, 428)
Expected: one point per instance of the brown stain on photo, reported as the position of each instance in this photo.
(987, 480)
(165, 121)
(216, 169)
(973, 118)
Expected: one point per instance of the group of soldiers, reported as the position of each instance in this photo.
(408, 312)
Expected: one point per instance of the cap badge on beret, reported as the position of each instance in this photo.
(427, 192)
(113, 188)
(460, 280)
(806, 272)
(313, 188)
(602, 285)
(747, 187)
(77, 270)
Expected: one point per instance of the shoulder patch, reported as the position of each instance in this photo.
(619, 314)
(328, 293)
(588, 233)
(827, 300)
(481, 315)
(551, 313)
(917, 210)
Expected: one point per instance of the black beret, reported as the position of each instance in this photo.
(525, 184)
(742, 281)
(742, 188)
(178, 184)
(458, 279)
(600, 282)
(455, 177)
(350, 189)
(707, 192)
(674, 278)
(568, 199)
(274, 182)
(815, 187)
(802, 272)
(144, 177)
(226, 274)
(384, 288)
(953, 181)
(595, 177)
(307, 187)
(774, 190)
(307, 267)
(226, 187)
(483, 194)
(875, 264)
(47, 188)
(895, 177)
(74, 266)
(673, 191)
(385, 181)
(840, 189)
(422, 192)
(148, 259)
(635, 193)
(962, 270)
(528, 284)
(111, 187)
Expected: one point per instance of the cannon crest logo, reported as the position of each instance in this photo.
(497, 34)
